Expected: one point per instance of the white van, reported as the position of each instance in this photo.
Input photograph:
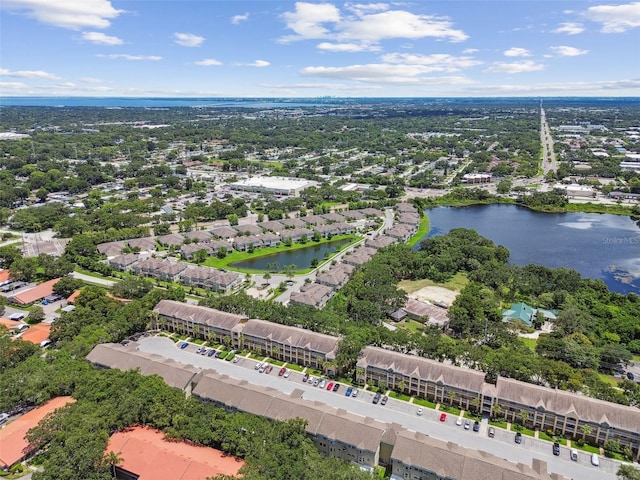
(595, 461)
(574, 454)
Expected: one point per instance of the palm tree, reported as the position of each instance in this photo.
(475, 403)
(586, 430)
(497, 410)
(452, 395)
(524, 416)
(113, 459)
(402, 386)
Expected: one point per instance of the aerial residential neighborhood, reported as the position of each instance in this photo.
(384, 289)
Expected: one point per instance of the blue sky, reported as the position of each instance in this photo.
(307, 49)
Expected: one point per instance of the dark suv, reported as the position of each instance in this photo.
(556, 449)
(376, 397)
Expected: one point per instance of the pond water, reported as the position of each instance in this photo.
(600, 246)
(301, 257)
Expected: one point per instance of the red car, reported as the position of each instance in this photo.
(282, 371)
(269, 368)
(330, 386)
(443, 417)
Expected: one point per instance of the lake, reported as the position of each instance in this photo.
(599, 246)
(301, 257)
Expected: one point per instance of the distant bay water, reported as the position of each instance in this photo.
(162, 102)
(599, 246)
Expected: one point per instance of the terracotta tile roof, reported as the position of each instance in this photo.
(145, 452)
(72, 298)
(34, 294)
(4, 276)
(37, 333)
(13, 446)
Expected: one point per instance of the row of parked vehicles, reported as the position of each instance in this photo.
(264, 367)
(328, 385)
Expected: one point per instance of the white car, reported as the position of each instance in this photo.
(595, 461)
(258, 366)
(459, 421)
(322, 384)
(287, 373)
(420, 411)
(354, 393)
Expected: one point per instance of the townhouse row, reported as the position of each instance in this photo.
(569, 414)
(171, 270)
(347, 436)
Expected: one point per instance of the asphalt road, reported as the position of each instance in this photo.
(397, 411)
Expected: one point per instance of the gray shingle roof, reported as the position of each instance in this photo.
(198, 314)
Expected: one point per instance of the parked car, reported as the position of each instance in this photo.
(376, 397)
(384, 400)
(262, 368)
(336, 387)
(459, 421)
(355, 393)
(443, 417)
(210, 353)
(258, 366)
(322, 383)
(492, 432)
(236, 359)
(317, 382)
(311, 380)
(282, 371)
(286, 374)
(3, 418)
(348, 392)
(556, 449)
(184, 345)
(204, 351)
(476, 426)
(518, 438)
(330, 386)
(573, 454)
(595, 461)
(420, 411)
(467, 424)
(305, 377)
(269, 369)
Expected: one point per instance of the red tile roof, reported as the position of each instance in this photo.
(145, 453)
(36, 333)
(4, 276)
(13, 446)
(72, 298)
(36, 293)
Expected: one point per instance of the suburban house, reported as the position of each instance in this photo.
(381, 241)
(198, 236)
(171, 240)
(336, 276)
(123, 262)
(111, 249)
(144, 244)
(272, 226)
(248, 229)
(312, 295)
(35, 294)
(211, 278)
(295, 234)
(526, 314)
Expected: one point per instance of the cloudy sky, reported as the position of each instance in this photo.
(307, 49)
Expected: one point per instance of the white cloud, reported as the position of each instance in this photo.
(570, 28)
(188, 39)
(307, 19)
(565, 51)
(125, 56)
(383, 73)
(13, 85)
(72, 14)
(236, 19)
(259, 64)
(615, 18)
(368, 25)
(208, 62)
(101, 39)
(347, 47)
(516, 67)
(439, 62)
(516, 52)
(66, 85)
(469, 51)
(399, 24)
(90, 80)
(28, 74)
(363, 8)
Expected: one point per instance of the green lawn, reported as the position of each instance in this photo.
(586, 447)
(293, 366)
(273, 361)
(400, 396)
(498, 423)
(529, 342)
(424, 403)
(457, 283)
(423, 229)
(449, 409)
(411, 326)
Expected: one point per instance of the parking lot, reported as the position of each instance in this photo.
(395, 411)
